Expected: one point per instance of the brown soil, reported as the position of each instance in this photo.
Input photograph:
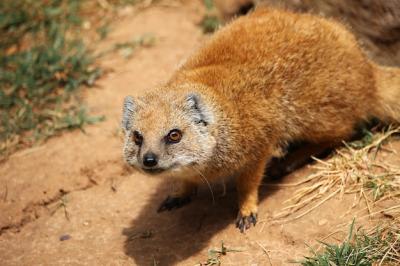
(75, 187)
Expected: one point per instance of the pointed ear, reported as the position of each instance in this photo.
(198, 110)
(128, 112)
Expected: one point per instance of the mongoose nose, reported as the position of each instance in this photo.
(150, 159)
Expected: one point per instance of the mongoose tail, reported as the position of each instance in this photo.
(388, 90)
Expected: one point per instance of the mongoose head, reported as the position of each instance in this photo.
(167, 132)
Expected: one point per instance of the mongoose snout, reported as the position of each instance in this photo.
(150, 159)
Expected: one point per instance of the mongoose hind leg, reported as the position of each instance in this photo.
(247, 184)
(181, 196)
(297, 158)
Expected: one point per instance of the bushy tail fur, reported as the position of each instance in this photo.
(388, 87)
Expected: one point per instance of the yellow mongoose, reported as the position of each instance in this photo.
(262, 81)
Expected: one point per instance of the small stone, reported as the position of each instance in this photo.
(322, 222)
(65, 237)
(86, 25)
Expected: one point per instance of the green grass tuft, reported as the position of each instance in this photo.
(126, 49)
(360, 249)
(211, 21)
(42, 64)
(214, 255)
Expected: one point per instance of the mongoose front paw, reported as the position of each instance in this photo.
(244, 222)
(174, 203)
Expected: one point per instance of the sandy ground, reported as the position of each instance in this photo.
(76, 188)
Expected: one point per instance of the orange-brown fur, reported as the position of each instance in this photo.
(273, 77)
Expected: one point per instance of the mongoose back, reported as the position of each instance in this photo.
(261, 82)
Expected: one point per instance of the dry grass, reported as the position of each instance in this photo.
(358, 168)
(355, 169)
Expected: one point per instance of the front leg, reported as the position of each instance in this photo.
(247, 184)
(181, 195)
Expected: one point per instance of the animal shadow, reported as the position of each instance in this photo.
(170, 237)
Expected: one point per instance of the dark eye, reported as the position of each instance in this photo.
(174, 136)
(137, 138)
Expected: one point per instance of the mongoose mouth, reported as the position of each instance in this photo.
(153, 171)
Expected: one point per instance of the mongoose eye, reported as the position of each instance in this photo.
(137, 138)
(174, 136)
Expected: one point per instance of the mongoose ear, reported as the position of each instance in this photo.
(199, 111)
(127, 113)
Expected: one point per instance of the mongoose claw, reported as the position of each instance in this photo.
(244, 222)
(171, 203)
